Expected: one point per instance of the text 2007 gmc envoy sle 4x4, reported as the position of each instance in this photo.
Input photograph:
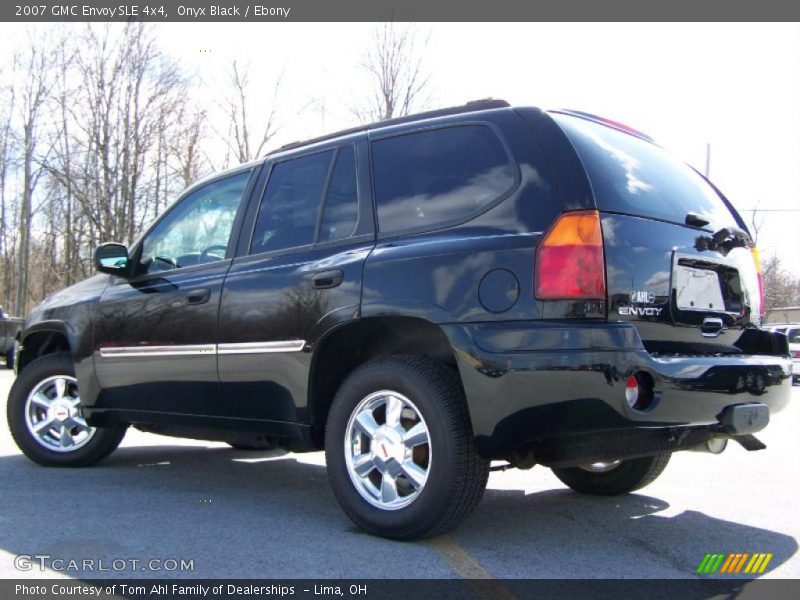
(419, 297)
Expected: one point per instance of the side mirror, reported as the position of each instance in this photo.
(112, 258)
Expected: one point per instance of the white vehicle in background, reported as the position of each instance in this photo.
(792, 332)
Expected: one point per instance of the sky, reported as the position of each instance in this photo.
(733, 86)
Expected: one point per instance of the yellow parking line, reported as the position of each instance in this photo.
(479, 579)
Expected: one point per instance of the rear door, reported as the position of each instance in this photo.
(686, 284)
(296, 276)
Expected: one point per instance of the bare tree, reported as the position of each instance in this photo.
(757, 218)
(117, 99)
(96, 136)
(126, 88)
(34, 90)
(186, 151)
(249, 128)
(7, 239)
(394, 64)
(781, 287)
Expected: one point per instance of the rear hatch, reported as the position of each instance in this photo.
(679, 265)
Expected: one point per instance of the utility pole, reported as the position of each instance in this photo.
(708, 159)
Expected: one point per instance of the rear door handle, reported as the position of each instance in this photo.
(200, 296)
(327, 279)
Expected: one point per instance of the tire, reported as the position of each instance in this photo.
(432, 400)
(625, 476)
(40, 380)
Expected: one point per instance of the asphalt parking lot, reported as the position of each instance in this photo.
(242, 514)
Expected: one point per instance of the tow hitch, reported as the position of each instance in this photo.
(743, 419)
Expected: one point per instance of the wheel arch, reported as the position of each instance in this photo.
(46, 337)
(351, 344)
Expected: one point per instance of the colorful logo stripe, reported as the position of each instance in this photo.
(734, 563)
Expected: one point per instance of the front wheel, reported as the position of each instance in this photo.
(45, 419)
(400, 451)
(614, 477)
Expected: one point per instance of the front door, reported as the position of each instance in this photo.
(155, 335)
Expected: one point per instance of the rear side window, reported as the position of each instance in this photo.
(287, 217)
(429, 178)
(340, 214)
(632, 176)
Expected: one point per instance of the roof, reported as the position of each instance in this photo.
(472, 106)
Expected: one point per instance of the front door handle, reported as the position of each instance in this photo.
(199, 296)
(328, 279)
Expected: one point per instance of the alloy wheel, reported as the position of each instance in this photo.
(53, 417)
(387, 450)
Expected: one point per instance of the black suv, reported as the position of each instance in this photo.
(419, 297)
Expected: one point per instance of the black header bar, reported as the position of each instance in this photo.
(263, 11)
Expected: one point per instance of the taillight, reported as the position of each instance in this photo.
(757, 262)
(569, 260)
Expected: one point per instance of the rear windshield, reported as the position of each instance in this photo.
(632, 176)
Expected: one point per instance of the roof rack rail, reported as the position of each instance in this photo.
(471, 106)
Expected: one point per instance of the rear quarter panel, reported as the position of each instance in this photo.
(437, 275)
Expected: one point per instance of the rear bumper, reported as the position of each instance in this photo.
(527, 383)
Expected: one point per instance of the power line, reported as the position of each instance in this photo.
(768, 209)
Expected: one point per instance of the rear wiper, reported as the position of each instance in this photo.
(695, 220)
(724, 240)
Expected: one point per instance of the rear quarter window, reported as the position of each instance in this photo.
(635, 177)
(429, 178)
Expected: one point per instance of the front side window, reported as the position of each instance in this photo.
(432, 177)
(197, 230)
(287, 217)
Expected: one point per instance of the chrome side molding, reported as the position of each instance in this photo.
(202, 349)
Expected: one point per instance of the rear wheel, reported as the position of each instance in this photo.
(613, 477)
(44, 416)
(400, 451)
